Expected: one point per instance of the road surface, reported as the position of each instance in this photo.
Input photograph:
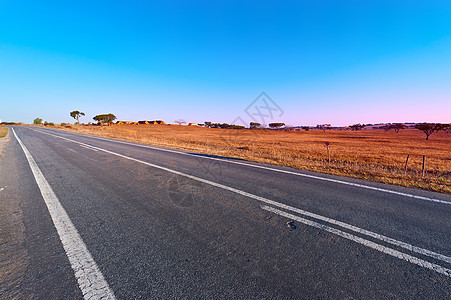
(88, 217)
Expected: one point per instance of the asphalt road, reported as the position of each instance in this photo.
(90, 217)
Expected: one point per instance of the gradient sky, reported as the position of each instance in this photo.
(339, 62)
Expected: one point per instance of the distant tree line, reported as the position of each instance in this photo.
(357, 126)
(223, 125)
(101, 119)
(38, 121)
(427, 128)
(11, 123)
(252, 125)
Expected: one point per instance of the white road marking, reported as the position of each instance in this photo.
(89, 147)
(287, 207)
(275, 170)
(370, 244)
(381, 237)
(71, 150)
(90, 280)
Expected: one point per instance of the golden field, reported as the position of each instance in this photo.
(369, 154)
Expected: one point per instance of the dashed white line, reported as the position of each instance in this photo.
(90, 280)
(277, 170)
(319, 217)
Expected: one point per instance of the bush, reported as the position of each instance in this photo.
(276, 125)
(357, 126)
(105, 118)
(254, 125)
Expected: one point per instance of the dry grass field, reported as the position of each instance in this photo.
(369, 154)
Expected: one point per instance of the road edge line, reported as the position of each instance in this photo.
(90, 279)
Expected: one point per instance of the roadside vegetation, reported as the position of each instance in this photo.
(76, 115)
(394, 157)
(3, 131)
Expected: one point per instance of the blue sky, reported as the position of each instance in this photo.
(339, 62)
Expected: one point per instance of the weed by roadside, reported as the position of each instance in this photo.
(3, 131)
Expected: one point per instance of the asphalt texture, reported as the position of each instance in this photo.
(158, 235)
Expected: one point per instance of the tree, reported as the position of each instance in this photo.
(254, 125)
(306, 128)
(439, 126)
(37, 121)
(180, 121)
(396, 127)
(357, 126)
(323, 127)
(429, 128)
(448, 128)
(104, 118)
(276, 125)
(76, 115)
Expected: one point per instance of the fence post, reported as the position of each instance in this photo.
(405, 167)
(328, 154)
(423, 168)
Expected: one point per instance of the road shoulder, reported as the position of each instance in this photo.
(3, 142)
(13, 255)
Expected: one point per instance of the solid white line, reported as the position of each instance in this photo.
(90, 280)
(367, 243)
(281, 205)
(381, 237)
(277, 170)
